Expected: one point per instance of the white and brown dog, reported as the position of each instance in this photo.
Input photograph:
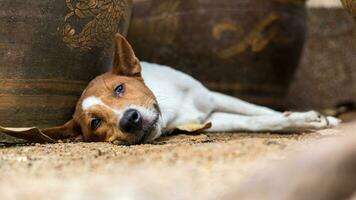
(137, 102)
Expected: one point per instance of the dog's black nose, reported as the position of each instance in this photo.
(131, 121)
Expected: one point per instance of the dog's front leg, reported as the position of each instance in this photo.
(291, 122)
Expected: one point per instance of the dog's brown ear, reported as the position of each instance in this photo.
(70, 129)
(125, 61)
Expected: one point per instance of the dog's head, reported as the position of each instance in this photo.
(117, 106)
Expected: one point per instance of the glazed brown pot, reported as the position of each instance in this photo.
(249, 49)
(49, 50)
(326, 78)
(350, 5)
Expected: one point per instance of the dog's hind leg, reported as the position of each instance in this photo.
(293, 122)
(228, 104)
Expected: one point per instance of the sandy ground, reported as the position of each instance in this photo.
(176, 167)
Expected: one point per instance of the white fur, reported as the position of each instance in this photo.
(91, 101)
(184, 100)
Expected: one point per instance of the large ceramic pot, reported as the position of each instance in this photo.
(326, 77)
(350, 5)
(249, 49)
(49, 50)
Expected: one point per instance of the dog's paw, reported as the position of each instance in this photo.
(309, 121)
(333, 121)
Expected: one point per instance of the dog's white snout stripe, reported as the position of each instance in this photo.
(96, 101)
(91, 101)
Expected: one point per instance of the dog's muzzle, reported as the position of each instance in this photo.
(141, 124)
(131, 122)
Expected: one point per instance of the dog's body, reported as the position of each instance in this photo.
(184, 100)
(137, 102)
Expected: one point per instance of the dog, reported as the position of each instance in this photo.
(137, 102)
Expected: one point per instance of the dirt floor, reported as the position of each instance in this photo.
(179, 167)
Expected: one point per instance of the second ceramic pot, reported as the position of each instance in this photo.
(249, 49)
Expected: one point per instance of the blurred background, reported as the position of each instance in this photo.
(287, 54)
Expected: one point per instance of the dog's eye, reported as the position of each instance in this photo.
(95, 123)
(119, 90)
